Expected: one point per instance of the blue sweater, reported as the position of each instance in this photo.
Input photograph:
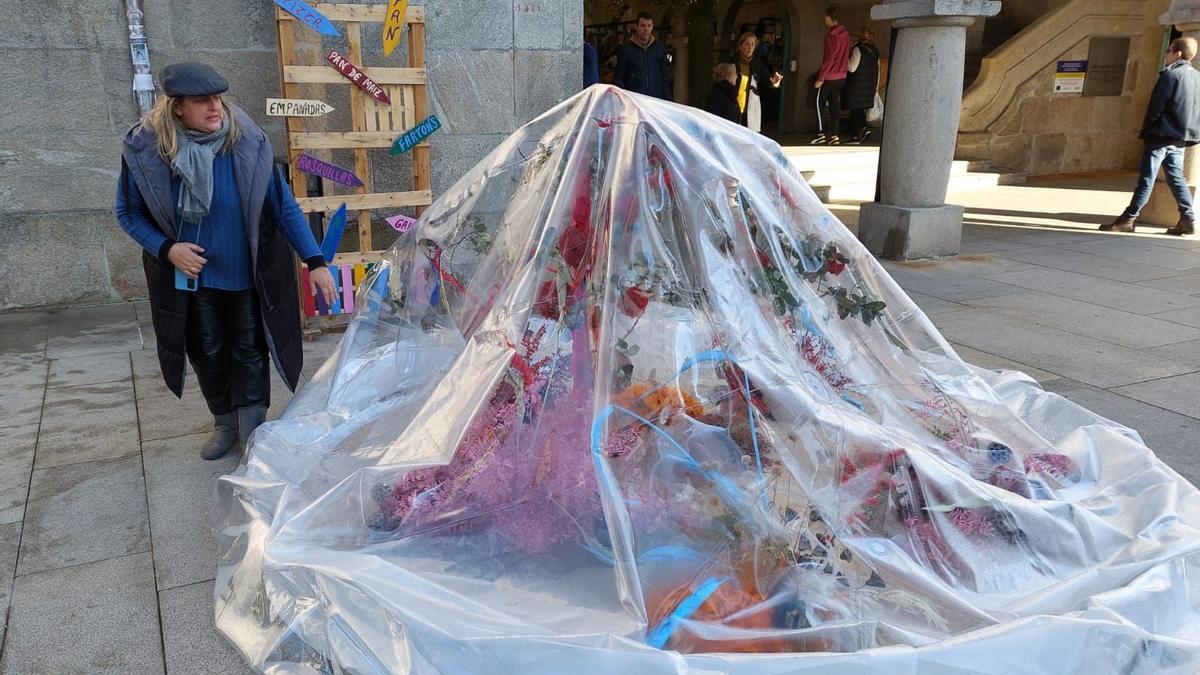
(221, 234)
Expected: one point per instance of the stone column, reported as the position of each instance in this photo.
(1162, 209)
(924, 102)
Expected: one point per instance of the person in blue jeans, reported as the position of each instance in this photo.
(200, 193)
(1172, 124)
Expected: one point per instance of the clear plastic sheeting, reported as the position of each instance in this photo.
(628, 399)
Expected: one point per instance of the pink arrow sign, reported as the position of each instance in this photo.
(356, 75)
(309, 164)
(401, 222)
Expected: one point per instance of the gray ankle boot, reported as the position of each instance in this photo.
(249, 419)
(224, 435)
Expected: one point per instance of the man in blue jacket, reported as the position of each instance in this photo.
(1172, 124)
(642, 62)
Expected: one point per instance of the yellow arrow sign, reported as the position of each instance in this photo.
(393, 27)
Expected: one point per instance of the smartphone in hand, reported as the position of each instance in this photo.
(185, 283)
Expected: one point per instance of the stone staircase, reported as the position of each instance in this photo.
(847, 173)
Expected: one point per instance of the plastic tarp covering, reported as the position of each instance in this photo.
(629, 399)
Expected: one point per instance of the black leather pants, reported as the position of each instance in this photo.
(228, 350)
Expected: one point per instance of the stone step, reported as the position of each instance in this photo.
(848, 172)
(865, 190)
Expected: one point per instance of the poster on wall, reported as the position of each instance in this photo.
(1069, 77)
(1108, 58)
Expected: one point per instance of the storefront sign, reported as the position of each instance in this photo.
(1069, 77)
(356, 75)
(309, 164)
(393, 26)
(409, 139)
(297, 107)
(308, 16)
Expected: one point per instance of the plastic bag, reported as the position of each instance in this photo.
(875, 113)
(629, 399)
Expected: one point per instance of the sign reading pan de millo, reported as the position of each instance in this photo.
(356, 75)
(409, 139)
(297, 107)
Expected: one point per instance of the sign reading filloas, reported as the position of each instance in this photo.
(357, 76)
(393, 26)
(297, 107)
(411, 138)
(308, 16)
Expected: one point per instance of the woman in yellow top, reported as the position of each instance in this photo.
(753, 74)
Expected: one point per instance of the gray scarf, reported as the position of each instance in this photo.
(193, 164)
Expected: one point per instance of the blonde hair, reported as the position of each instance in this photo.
(724, 72)
(161, 122)
(746, 36)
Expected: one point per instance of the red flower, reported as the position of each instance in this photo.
(573, 245)
(835, 266)
(546, 304)
(763, 258)
(634, 301)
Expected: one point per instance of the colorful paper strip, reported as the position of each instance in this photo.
(310, 302)
(308, 16)
(309, 164)
(348, 288)
(357, 76)
(297, 107)
(333, 234)
(393, 26)
(409, 139)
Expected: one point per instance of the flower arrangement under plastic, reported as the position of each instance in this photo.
(629, 397)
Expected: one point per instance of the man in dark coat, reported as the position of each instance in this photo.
(722, 100)
(1172, 123)
(861, 84)
(642, 62)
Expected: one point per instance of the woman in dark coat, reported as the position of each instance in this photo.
(861, 84)
(722, 100)
(753, 76)
(199, 192)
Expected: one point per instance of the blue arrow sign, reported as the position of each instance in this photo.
(308, 16)
(333, 234)
(409, 139)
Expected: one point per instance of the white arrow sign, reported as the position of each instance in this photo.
(297, 107)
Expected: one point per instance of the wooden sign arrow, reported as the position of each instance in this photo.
(297, 107)
(356, 75)
(393, 26)
(401, 222)
(308, 16)
(333, 234)
(409, 139)
(309, 164)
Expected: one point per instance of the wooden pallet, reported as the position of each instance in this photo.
(373, 124)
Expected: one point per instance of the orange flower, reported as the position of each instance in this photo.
(649, 401)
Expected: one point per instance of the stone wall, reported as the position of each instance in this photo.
(493, 65)
(1040, 133)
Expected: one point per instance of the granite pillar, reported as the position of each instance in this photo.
(911, 219)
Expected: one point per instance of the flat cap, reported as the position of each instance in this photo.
(192, 79)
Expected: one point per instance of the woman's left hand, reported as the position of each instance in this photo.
(321, 281)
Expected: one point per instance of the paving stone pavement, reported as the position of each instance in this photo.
(107, 557)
